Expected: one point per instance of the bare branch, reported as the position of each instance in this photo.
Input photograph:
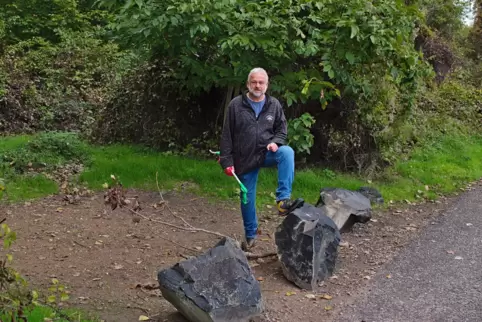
(250, 255)
(191, 228)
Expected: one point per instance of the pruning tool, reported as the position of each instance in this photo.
(244, 196)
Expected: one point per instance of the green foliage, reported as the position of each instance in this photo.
(56, 65)
(218, 42)
(27, 19)
(47, 151)
(299, 135)
(444, 16)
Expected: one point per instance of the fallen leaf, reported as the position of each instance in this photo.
(326, 297)
(290, 293)
(261, 278)
(269, 206)
(310, 296)
(144, 318)
(59, 210)
(389, 276)
(98, 242)
(328, 308)
(118, 266)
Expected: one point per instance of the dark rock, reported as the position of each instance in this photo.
(307, 245)
(345, 207)
(215, 286)
(373, 194)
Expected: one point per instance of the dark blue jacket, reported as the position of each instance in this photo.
(245, 137)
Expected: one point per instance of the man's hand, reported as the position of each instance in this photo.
(229, 171)
(273, 147)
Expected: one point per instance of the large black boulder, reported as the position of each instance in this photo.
(345, 207)
(215, 286)
(307, 245)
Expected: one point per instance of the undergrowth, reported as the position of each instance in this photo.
(441, 166)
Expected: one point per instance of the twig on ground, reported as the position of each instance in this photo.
(177, 244)
(80, 244)
(167, 206)
(191, 228)
(159, 189)
(250, 255)
(1, 221)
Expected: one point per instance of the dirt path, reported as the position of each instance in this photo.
(109, 262)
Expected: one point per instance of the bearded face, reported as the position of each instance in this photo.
(257, 84)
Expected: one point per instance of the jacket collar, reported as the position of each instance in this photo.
(246, 99)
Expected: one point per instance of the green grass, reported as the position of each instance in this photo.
(40, 314)
(444, 166)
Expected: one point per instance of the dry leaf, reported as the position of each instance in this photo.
(118, 266)
(326, 297)
(328, 308)
(310, 296)
(144, 318)
(290, 293)
(389, 276)
(261, 278)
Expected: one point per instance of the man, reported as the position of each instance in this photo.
(254, 136)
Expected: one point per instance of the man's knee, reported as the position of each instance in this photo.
(286, 151)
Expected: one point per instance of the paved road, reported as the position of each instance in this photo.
(428, 282)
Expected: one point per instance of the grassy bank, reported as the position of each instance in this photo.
(438, 168)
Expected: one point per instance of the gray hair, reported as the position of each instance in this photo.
(258, 70)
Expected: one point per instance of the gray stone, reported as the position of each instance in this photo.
(345, 207)
(373, 194)
(215, 286)
(307, 245)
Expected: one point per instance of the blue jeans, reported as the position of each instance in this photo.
(284, 159)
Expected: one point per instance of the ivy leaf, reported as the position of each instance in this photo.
(350, 57)
(354, 31)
